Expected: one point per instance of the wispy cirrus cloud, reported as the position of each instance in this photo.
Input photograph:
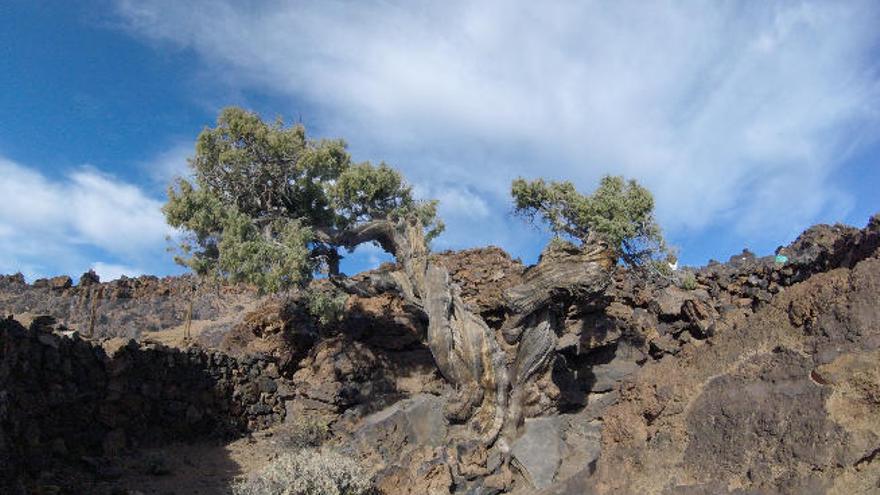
(732, 113)
(169, 164)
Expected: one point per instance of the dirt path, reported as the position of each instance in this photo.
(203, 468)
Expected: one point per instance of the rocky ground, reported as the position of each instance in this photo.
(750, 376)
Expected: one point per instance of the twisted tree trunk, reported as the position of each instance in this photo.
(467, 354)
(465, 349)
(563, 270)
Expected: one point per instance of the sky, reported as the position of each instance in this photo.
(749, 121)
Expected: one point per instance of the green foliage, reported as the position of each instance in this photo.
(689, 282)
(307, 431)
(224, 242)
(265, 200)
(326, 306)
(662, 268)
(364, 191)
(618, 212)
(272, 259)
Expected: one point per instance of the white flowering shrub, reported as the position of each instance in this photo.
(307, 472)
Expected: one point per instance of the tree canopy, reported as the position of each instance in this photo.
(619, 212)
(269, 206)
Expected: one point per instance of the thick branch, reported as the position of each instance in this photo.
(381, 231)
(376, 283)
(559, 270)
(463, 346)
(533, 355)
(404, 239)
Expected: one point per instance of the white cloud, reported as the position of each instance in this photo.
(110, 271)
(366, 256)
(455, 201)
(171, 163)
(50, 225)
(728, 111)
(110, 214)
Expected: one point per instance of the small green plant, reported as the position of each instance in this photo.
(308, 432)
(307, 472)
(326, 306)
(689, 282)
(661, 268)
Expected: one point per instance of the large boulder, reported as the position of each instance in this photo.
(277, 328)
(483, 275)
(668, 302)
(625, 362)
(404, 446)
(538, 451)
(415, 421)
(556, 454)
(764, 423)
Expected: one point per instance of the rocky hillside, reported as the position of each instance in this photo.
(783, 397)
(128, 307)
(752, 376)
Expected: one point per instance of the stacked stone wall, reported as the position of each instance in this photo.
(63, 398)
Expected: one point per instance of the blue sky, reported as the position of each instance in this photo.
(749, 121)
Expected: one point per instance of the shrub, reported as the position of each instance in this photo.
(307, 472)
(308, 432)
(689, 282)
(326, 306)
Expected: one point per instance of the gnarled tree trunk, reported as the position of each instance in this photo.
(464, 347)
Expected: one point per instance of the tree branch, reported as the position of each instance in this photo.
(559, 270)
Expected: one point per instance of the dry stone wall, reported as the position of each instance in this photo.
(65, 398)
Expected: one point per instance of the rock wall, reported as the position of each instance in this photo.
(65, 398)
